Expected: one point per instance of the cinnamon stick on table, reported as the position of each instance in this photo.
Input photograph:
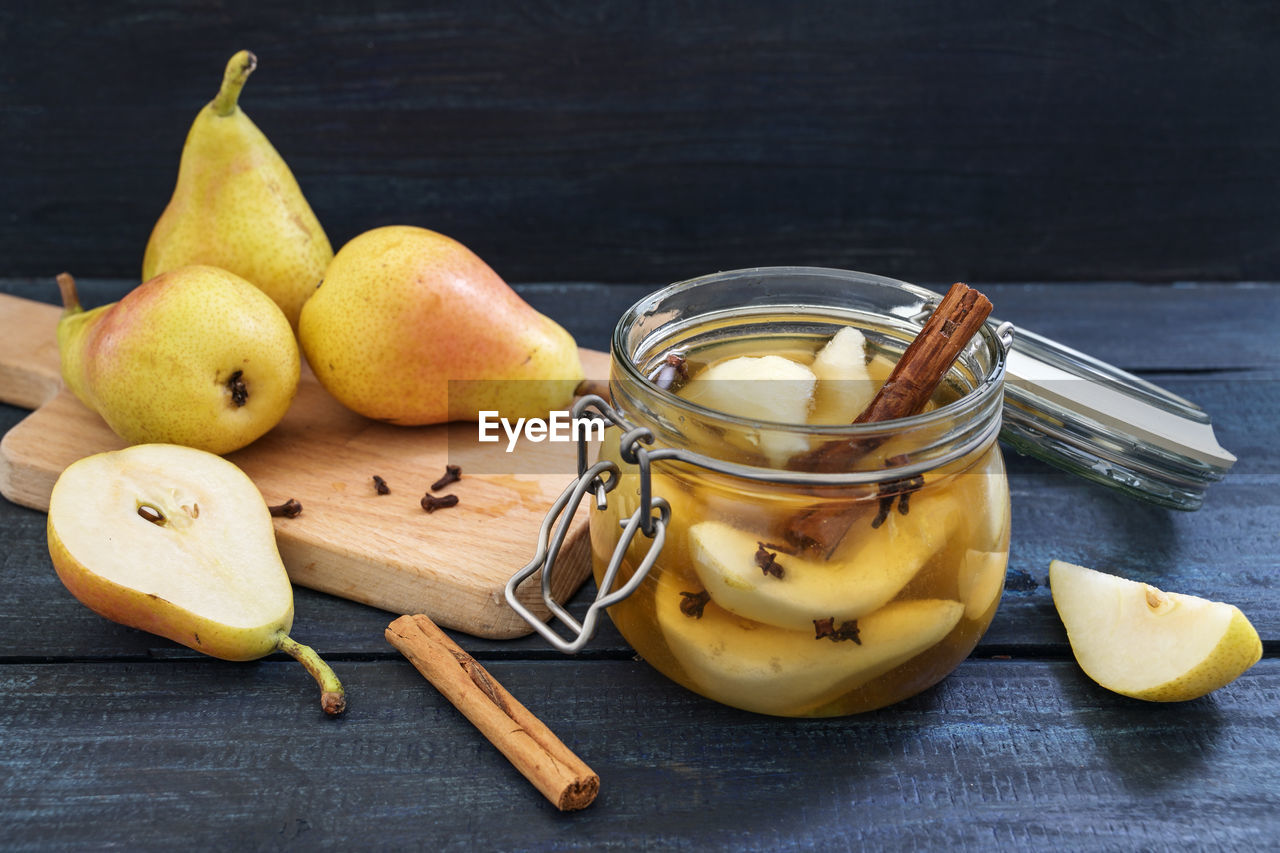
(527, 743)
(908, 389)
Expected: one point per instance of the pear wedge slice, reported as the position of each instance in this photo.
(178, 542)
(775, 671)
(766, 388)
(981, 580)
(844, 386)
(861, 577)
(1142, 642)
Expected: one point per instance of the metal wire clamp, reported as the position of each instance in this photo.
(600, 479)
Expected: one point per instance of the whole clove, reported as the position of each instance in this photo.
(899, 490)
(289, 509)
(693, 603)
(768, 562)
(452, 474)
(431, 503)
(827, 629)
(380, 485)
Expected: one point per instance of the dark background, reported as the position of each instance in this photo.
(652, 141)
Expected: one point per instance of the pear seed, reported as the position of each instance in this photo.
(151, 514)
(1155, 598)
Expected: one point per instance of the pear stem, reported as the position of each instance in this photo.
(70, 298)
(238, 70)
(332, 697)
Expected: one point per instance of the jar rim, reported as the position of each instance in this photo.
(972, 400)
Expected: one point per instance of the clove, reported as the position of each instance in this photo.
(289, 509)
(431, 503)
(452, 474)
(693, 603)
(826, 629)
(768, 562)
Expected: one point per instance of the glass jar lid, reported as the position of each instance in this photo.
(1109, 426)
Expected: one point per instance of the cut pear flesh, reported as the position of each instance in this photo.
(775, 671)
(844, 386)
(864, 574)
(766, 388)
(214, 553)
(1142, 642)
(178, 542)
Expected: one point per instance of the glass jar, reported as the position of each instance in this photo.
(786, 591)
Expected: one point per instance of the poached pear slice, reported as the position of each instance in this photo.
(772, 670)
(981, 580)
(1139, 641)
(178, 542)
(844, 386)
(864, 574)
(765, 388)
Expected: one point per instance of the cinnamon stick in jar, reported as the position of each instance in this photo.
(536, 752)
(906, 392)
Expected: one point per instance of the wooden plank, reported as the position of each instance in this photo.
(652, 141)
(1020, 754)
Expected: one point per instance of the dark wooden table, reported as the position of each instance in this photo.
(113, 738)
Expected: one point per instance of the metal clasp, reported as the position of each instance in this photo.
(600, 479)
(1004, 334)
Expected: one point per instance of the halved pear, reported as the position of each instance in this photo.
(864, 574)
(1138, 641)
(844, 386)
(178, 542)
(777, 671)
(766, 388)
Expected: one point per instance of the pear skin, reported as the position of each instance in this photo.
(178, 542)
(411, 327)
(196, 356)
(237, 206)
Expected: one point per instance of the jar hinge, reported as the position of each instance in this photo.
(600, 478)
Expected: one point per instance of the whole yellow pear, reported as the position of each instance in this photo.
(196, 356)
(411, 327)
(237, 206)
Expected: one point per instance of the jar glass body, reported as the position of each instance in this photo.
(910, 565)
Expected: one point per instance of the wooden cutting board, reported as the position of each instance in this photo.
(382, 550)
